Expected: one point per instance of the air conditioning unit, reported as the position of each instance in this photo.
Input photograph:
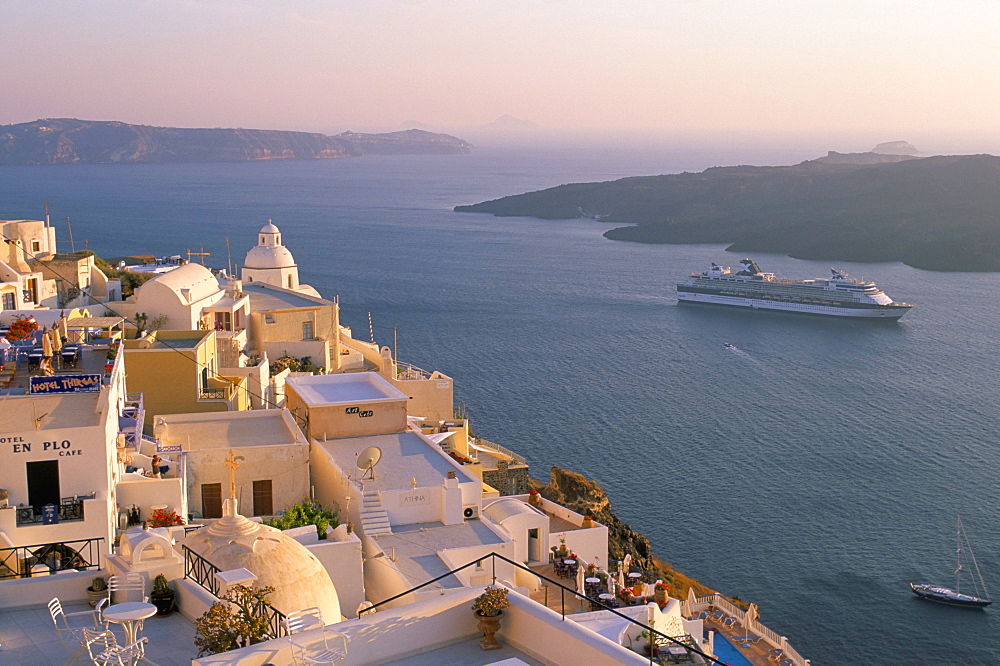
(471, 511)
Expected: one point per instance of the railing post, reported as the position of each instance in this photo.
(494, 559)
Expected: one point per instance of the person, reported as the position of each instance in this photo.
(156, 466)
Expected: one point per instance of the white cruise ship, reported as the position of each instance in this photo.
(838, 295)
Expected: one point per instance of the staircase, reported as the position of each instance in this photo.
(374, 519)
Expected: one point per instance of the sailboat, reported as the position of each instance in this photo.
(956, 597)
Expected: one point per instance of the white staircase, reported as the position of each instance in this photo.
(374, 519)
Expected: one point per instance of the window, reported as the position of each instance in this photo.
(290, 286)
(211, 500)
(36, 246)
(268, 318)
(8, 301)
(307, 330)
(262, 504)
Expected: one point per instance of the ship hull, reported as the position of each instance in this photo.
(849, 310)
(947, 596)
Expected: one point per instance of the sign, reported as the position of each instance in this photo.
(65, 384)
(417, 498)
(50, 514)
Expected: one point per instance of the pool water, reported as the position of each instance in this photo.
(726, 652)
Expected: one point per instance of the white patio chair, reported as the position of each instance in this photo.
(322, 646)
(304, 620)
(104, 650)
(72, 636)
(128, 587)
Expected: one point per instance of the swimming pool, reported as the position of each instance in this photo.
(725, 651)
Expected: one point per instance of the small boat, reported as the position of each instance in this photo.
(956, 597)
(729, 345)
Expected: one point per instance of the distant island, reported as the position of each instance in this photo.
(72, 141)
(936, 213)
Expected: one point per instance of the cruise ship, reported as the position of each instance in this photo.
(749, 287)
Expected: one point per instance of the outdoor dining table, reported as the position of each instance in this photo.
(677, 651)
(129, 614)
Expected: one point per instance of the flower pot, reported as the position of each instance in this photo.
(489, 625)
(93, 596)
(164, 604)
(660, 597)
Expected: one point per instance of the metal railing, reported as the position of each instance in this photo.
(201, 571)
(26, 561)
(69, 510)
(409, 372)
(214, 394)
(659, 637)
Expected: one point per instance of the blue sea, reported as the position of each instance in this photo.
(815, 469)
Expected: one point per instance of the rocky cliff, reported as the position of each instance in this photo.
(577, 493)
(72, 141)
(936, 213)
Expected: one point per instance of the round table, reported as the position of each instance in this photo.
(129, 614)
(592, 580)
(569, 562)
(635, 576)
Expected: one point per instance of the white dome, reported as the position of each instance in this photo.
(298, 578)
(269, 228)
(269, 256)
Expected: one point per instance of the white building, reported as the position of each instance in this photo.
(270, 262)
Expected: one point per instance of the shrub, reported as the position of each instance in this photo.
(225, 627)
(305, 513)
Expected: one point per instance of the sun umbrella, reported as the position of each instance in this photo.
(579, 577)
(621, 577)
(46, 345)
(56, 340)
(611, 584)
(750, 618)
(627, 562)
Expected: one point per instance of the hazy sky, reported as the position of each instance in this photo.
(876, 69)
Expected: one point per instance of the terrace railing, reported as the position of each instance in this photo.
(48, 558)
(202, 572)
(70, 509)
(660, 638)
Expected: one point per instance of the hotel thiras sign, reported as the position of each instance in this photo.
(65, 384)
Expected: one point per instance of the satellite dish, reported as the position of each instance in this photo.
(367, 460)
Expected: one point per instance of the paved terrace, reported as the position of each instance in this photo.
(27, 638)
(553, 597)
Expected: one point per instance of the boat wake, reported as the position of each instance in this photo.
(742, 354)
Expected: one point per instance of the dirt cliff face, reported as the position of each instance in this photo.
(586, 497)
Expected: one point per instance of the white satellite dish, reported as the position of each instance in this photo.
(367, 460)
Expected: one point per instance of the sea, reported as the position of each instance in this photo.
(815, 468)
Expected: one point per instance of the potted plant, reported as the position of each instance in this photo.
(563, 550)
(489, 608)
(98, 590)
(162, 596)
(660, 594)
(534, 499)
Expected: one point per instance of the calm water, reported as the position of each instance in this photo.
(816, 469)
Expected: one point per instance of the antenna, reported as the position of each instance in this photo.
(371, 331)
(72, 245)
(229, 257)
(367, 460)
(47, 223)
(395, 348)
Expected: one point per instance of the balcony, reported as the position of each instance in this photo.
(69, 509)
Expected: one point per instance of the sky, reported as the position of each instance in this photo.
(867, 71)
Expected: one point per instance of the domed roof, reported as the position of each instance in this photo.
(269, 256)
(195, 278)
(269, 228)
(279, 561)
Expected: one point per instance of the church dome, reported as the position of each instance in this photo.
(278, 561)
(269, 256)
(269, 228)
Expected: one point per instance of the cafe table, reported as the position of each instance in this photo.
(130, 615)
